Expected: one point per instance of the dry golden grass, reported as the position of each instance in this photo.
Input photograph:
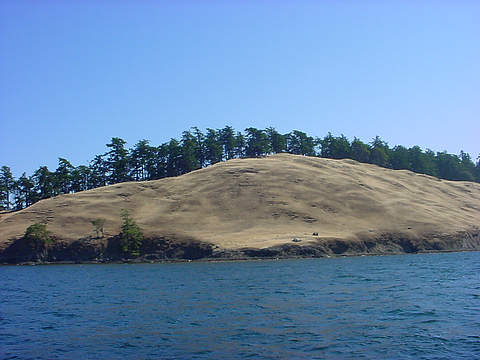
(265, 202)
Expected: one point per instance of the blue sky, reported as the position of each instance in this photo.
(73, 74)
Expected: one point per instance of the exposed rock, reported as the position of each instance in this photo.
(24, 250)
(170, 249)
(87, 250)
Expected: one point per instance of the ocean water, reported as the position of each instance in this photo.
(390, 307)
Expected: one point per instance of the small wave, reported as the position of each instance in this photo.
(319, 348)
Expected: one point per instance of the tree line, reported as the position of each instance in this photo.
(197, 149)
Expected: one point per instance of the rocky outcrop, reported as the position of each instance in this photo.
(99, 250)
(168, 248)
(25, 250)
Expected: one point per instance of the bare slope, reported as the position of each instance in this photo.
(265, 202)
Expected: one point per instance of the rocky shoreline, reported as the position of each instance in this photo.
(169, 249)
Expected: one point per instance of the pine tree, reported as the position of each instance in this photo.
(7, 186)
(44, 183)
(379, 152)
(174, 160)
(213, 147)
(257, 143)
(141, 161)
(189, 160)
(399, 158)
(81, 178)
(239, 145)
(24, 192)
(359, 150)
(227, 140)
(117, 161)
(277, 141)
(299, 143)
(131, 236)
(63, 177)
(98, 169)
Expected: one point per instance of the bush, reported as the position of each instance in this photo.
(38, 233)
(131, 236)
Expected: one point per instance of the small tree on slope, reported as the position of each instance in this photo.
(131, 236)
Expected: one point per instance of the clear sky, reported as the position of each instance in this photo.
(74, 74)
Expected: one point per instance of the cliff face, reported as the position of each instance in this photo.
(282, 205)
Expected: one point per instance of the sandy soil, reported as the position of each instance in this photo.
(265, 202)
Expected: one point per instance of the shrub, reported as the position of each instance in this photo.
(38, 233)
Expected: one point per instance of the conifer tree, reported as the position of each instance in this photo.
(379, 152)
(360, 151)
(213, 147)
(131, 236)
(44, 183)
(299, 143)
(257, 143)
(227, 141)
(174, 160)
(80, 179)
(63, 177)
(98, 169)
(117, 161)
(278, 142)
(189, 161)
(24, 192)
(7, 186)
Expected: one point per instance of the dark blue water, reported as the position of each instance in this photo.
(404, 307)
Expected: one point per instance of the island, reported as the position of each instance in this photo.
(277, 206)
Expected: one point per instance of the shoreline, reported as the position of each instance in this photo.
(173, 250)
(226, 259)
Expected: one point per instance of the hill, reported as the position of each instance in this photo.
(258, 206)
